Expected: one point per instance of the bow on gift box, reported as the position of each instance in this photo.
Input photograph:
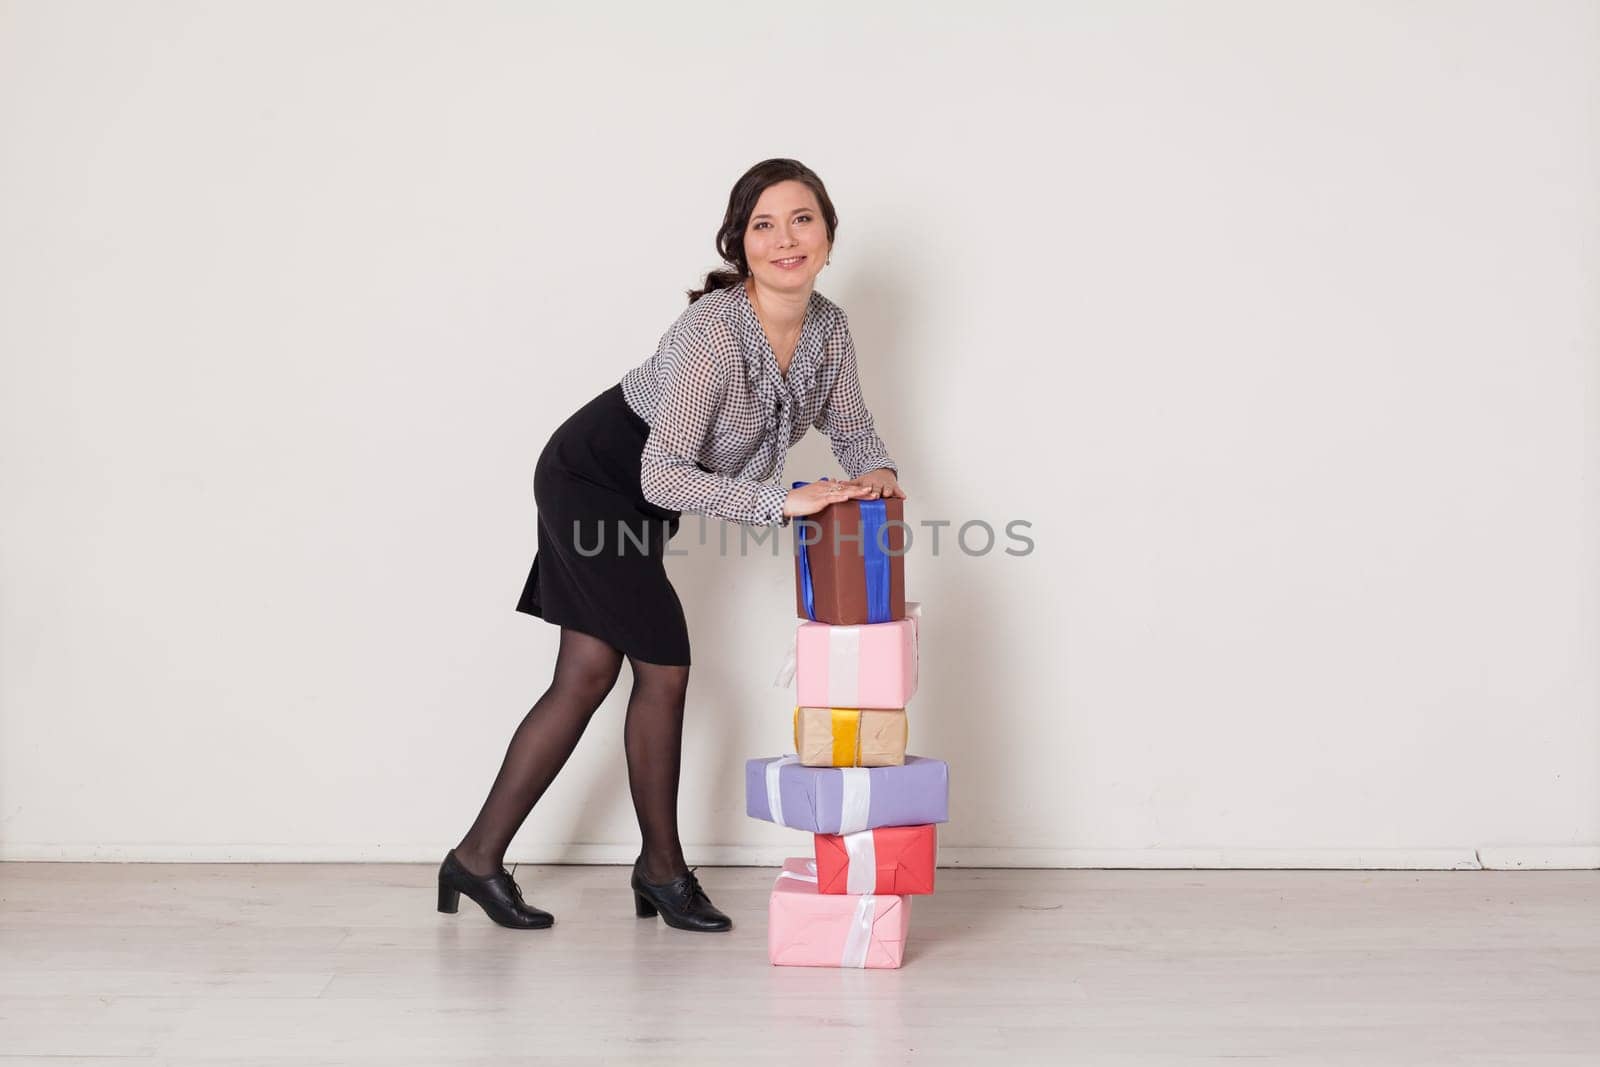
(809, 876)
(873, 558)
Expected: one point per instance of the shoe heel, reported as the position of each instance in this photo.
(449, 899)
(642, 907)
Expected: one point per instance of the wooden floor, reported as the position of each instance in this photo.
(346, 964)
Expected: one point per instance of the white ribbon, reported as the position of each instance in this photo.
(791, 662)
(855, 799)
(859, 939)
(914, 613)
(844, 666)
(809, 876)
(861, 876)
(774, 795)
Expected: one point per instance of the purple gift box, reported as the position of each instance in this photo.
(845, 800)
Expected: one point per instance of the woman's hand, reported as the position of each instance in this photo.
(881, 482)
(814, 496)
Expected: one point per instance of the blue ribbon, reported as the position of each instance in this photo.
(875, 561)
(807, 596)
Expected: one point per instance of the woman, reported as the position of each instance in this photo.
(704, 425)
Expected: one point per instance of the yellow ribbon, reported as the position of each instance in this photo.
(846, 736)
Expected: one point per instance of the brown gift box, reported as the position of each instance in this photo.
(850, 737)
(839, 579)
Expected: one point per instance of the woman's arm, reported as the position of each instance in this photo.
(693, 389)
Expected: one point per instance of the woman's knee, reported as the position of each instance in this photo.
(586, 666)
(659, 680)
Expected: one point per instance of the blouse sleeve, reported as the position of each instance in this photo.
(693, 387)
(844, 416)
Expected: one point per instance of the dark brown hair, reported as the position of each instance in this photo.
(742, 204)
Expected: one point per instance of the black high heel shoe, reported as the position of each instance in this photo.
(497, 894)
(681, 902)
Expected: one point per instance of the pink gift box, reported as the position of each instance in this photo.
(806, 928)
(873, 665)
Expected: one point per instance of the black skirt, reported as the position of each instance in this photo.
(599, 564)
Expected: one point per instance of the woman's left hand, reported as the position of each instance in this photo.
(882, 480)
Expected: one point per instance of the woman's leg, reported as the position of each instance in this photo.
(653, 736)
(586, 669)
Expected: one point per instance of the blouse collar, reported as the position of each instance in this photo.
(763, 362)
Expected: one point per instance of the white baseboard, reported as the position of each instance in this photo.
(1504, 857)
(1539, 858)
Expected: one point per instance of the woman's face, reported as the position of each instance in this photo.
(786, 242)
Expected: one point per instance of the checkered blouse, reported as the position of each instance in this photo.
(722, 419)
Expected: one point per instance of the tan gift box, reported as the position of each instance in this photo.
(850, 737)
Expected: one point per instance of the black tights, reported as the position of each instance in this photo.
(586, 670)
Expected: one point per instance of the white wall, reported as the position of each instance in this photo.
(1278, 322)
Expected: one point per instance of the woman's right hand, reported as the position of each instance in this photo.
(814, 496)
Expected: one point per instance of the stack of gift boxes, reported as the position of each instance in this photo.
(871, 809)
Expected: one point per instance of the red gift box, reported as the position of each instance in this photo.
(889, 859)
